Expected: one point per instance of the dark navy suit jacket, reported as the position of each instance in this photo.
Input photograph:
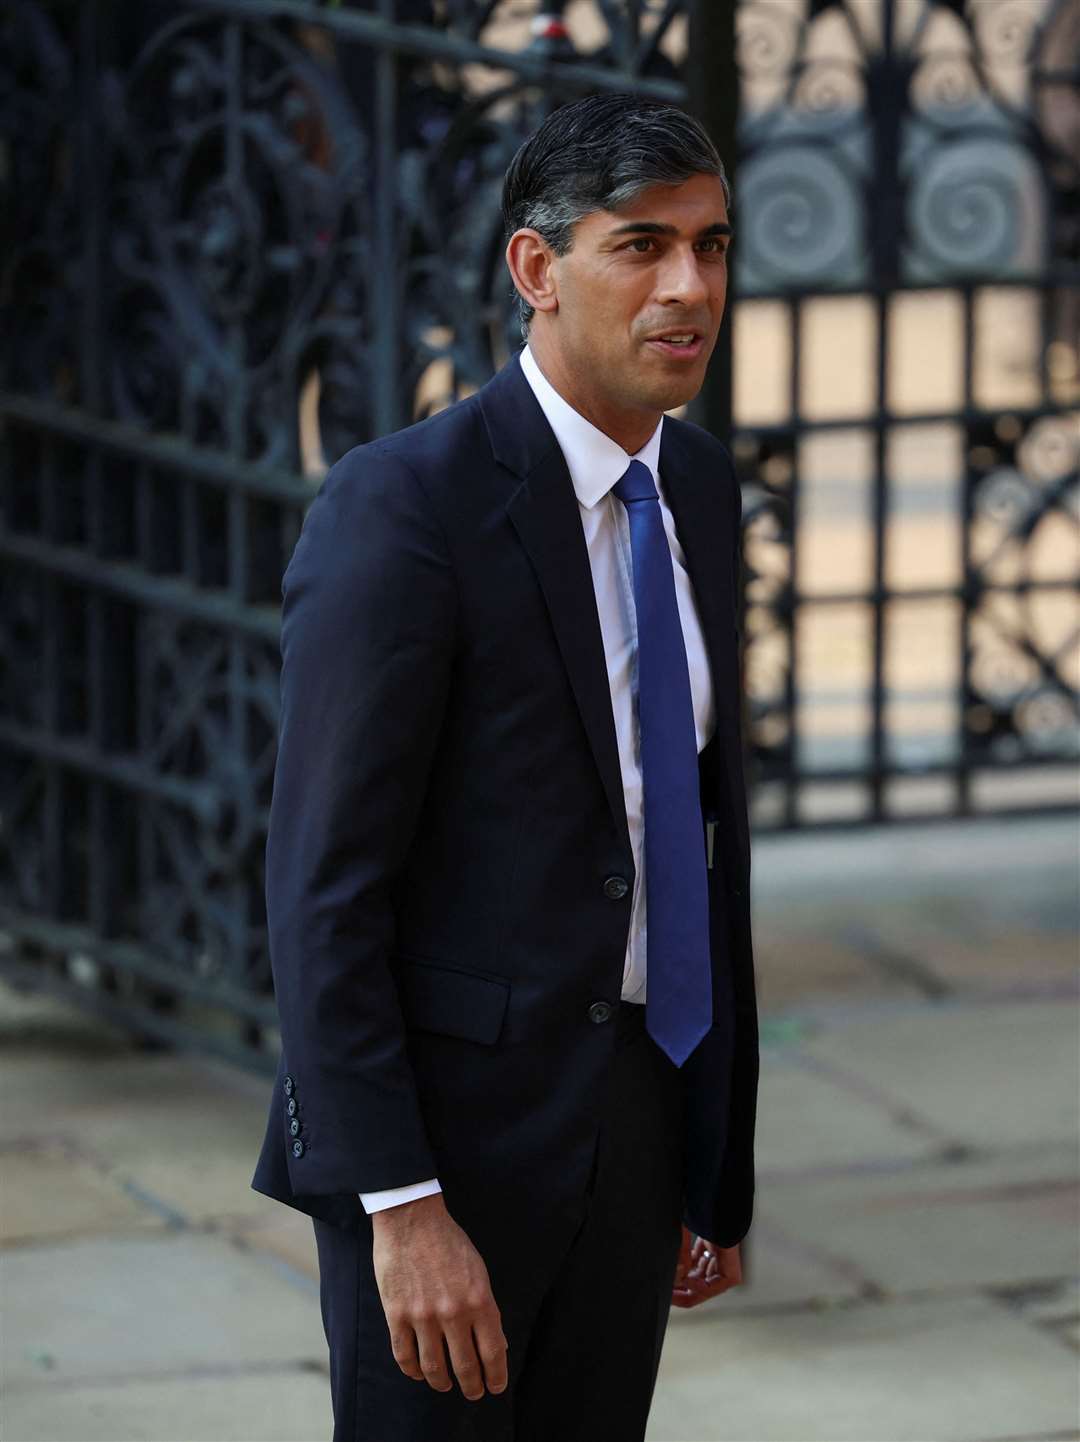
(448, 830)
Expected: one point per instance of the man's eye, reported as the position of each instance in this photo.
(642, 240)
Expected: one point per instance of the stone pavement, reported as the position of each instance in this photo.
(912, 1269)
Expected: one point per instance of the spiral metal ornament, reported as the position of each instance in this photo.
(802, 221)
(1022, 676)
(975, 210)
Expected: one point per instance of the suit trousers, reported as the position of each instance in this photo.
(584, 1298)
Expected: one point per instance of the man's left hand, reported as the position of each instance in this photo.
(704, 1270)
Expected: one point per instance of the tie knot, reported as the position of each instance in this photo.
(635, 484)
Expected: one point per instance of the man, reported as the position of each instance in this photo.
(508, 860)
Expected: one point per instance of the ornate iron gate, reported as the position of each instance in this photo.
(241, 235)
(907, 404)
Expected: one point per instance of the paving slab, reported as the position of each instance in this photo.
(1009, 1219)
(1055, 1303)
(125, 1306)
(282, 1233)
(989, 1074)
(919, 910)
(282, 1405)
(51, 1191)
(185, 1130)
(996, 955)
(874, 948)
(960, 1368)
(1026, 866)
(794, 958)
(811, 1118)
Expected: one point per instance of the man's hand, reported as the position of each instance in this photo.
(434, 1288)
(704, 1271)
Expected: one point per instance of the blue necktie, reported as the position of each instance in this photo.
(678, 1009)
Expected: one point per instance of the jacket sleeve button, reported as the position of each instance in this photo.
(294, 1127)
(289, 1085)
(298, 1148)
(290, 1106)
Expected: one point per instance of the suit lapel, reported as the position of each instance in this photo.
(544, 512)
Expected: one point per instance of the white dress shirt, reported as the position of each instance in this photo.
(596, 463)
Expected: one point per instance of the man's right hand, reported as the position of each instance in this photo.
(434, 1288)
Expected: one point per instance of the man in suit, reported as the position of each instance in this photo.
(508, 857)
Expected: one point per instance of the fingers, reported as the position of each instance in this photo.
(477, 1361)
(403, 1346)
(433, 1368)
(436, 1297)
(491, 1347)
(464, 1360)
(714, 1270)
(726, 1266)
(697, 1291)
(478, 1357)
(716, 1263)
(699, 1256)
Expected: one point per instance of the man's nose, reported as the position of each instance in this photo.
(683, 278)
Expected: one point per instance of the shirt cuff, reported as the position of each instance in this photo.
(395, 1196)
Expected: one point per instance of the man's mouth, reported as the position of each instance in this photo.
(683, 343)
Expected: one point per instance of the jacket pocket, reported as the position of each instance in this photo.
(442, 999)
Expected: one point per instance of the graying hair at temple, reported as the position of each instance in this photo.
(598, 154)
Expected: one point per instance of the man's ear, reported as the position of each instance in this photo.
(531, 263)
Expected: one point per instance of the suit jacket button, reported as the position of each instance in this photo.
(298, 1148)
(600, 1011)
(616, 887)
(290, 1106)
(289, 1085)
(294, 1127)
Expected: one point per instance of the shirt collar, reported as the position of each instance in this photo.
(594, 460)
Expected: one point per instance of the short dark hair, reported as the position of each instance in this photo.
(597, 154)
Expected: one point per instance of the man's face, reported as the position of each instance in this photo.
(655, 268)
